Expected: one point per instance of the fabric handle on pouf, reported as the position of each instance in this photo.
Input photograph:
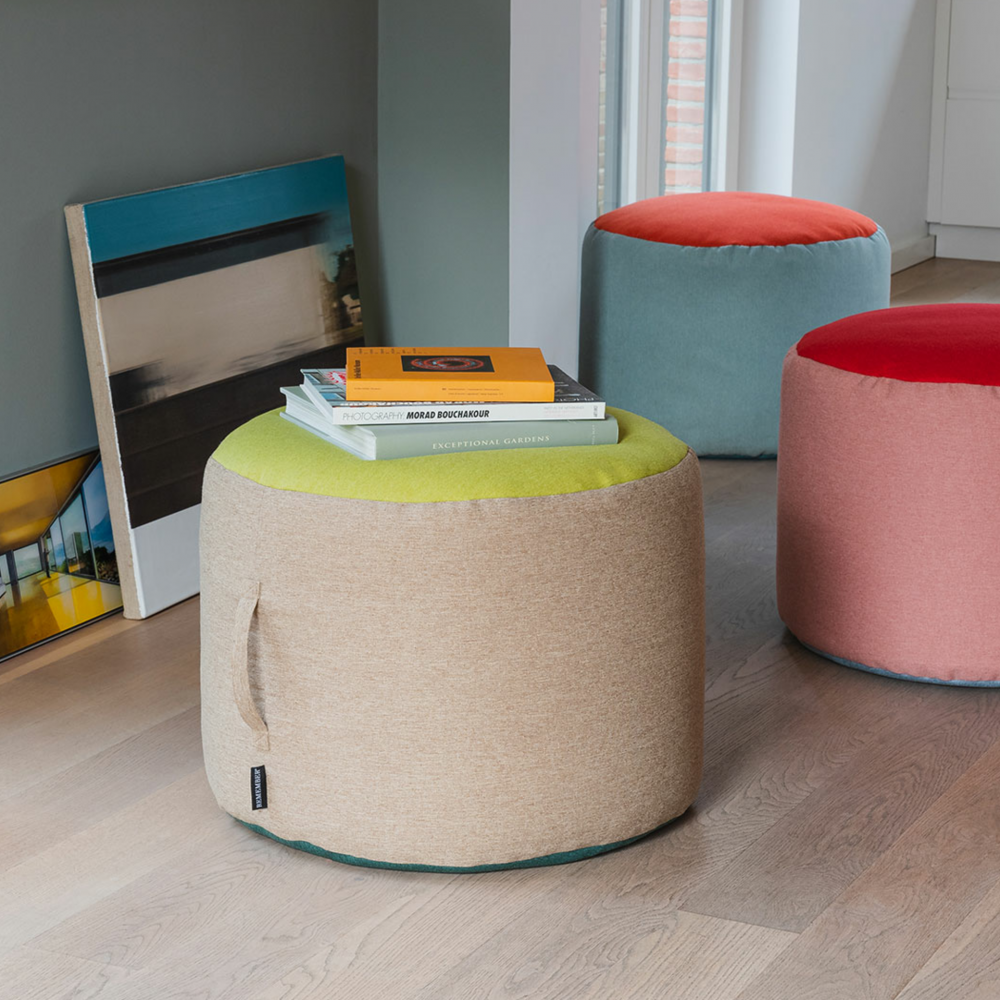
(241, 668)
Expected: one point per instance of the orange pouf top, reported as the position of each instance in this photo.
(953, 342)
(735, 218)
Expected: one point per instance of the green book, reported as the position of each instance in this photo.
(411, 440)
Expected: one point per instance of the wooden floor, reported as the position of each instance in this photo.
(946, 280)
(845, 843)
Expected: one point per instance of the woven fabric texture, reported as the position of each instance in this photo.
(457, 684)
(273, 452)
(694, 337)
(888, 522)
(735, 218)
(953, 342)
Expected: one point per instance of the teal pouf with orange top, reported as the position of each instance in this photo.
(689, 304)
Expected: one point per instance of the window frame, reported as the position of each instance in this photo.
(639, 29)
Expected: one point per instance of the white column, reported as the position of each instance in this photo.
(767, 95)
(554, 68)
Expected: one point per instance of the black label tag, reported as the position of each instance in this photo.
(258, 787)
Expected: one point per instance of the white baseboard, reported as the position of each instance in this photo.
(912, 252)
(967, 242)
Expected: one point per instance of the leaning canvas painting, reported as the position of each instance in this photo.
(58, 567)
(198, 302)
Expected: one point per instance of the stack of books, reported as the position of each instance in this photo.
(401, 402)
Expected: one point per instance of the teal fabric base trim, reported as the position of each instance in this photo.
(694, 337)
(902, 677)
(560, 858)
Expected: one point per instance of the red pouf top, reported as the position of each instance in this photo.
(735, 218)
(941, 343)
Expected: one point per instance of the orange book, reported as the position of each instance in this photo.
(444, 374)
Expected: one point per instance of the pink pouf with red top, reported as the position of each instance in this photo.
(889, 492)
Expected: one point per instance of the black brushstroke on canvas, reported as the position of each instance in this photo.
(164, 445)
(339, 300)
(126, 274)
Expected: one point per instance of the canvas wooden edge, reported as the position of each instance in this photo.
(100, 388)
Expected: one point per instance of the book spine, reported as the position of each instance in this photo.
(445, 440)
(384, 390)
(375, 416)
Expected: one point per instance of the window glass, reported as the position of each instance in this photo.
(58, 563)
(27, 561)
(76, 539)
(656, 99)
(96, 499)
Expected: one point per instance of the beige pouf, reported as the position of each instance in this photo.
(454, 663)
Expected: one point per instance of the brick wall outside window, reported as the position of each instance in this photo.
(686, 66)
(602, 114)
(684, 145)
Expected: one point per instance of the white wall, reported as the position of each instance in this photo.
(767, 95)
(836, 105)
(483, 204)
(863, 109)
(554, 78)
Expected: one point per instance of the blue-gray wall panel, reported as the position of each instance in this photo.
(111, 97)
(444, 155)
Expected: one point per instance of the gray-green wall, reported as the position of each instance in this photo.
(108, 97)
(443, 140)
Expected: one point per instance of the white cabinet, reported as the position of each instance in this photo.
(973, 69)
(970, 192)
(964, 195)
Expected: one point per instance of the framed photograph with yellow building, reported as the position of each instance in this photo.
(58, 566)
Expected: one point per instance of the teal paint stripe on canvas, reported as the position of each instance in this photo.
(120, 227)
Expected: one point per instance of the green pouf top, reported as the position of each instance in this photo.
(276, 453)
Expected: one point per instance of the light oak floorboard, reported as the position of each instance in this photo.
(32, 974)
(612, 949)
(877, 934)
(231, 917)
(58, 716)
(844, 843)
(72, 875)
(90, 791)
(946, 280)
(967, 964)
(790, 875)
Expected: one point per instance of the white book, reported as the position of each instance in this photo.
(300, 410)
(409, 440)
(325, 387)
